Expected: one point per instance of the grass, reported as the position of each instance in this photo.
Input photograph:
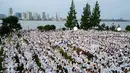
(9, 38)
(64, 54)
(20, 68)
(26, 41)
(1, 58)
(19, 35)
(16, 58)
(0, 41)
(38, 62)
(69, 45)
(17, 47)
(78, 50)
(88, 54)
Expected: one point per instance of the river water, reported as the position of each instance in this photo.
(60, 24)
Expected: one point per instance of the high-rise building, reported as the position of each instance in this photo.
(18, 15)
(39, 17)
(36, 16)
(57, 17)
(48, 17)
(23, 16)
(61, 19)
(52, 19)
(29, 15)
(2, 16)
(10, 11)
(43, 16)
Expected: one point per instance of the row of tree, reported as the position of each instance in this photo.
(104, 27)
(89, 19)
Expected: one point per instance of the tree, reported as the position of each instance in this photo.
(127, 28)
(12, 23)
(52, 27)
(113, 28)
(71, 18)
(4, 30)
(9, 25)
(40, 28)
(107, 27)
(85, 20)
(95, 17)
(102, 26)
(118, 26)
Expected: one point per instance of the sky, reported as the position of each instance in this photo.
(110, 9)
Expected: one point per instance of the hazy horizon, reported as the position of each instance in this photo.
(110, 9)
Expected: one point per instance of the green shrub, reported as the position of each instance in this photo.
(47, 27)
(40, 27)
(127, 28)
(52, 27)
(63, 28)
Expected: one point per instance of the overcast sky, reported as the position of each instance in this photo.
(109, 8)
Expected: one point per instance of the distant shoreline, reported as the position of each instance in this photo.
(79, 20)
(115, 20)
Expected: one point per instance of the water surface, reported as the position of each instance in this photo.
(60, 24)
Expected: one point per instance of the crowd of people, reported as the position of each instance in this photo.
(67, 52)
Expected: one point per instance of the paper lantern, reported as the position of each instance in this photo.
(118, 29)
(75, 28)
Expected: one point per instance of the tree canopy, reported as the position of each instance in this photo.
(85, 20)
(95, 17)
(9, 24)
(127, 28)
(72, 21)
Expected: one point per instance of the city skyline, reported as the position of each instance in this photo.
(27, 15)
(110, 9)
